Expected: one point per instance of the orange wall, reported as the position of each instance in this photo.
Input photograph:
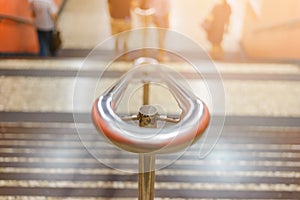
(18, 37)
(267, 33)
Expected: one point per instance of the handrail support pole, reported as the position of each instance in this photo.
(146, 176)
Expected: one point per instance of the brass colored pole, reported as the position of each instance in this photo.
(147, 116)
(146, 176)
(146, 94)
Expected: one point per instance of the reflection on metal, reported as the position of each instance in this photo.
(194, 115)
(169, 119)
(144, 60)
(148, 139)
(144, 12)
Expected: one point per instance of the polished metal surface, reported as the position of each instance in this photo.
(147, 139)
(194, 116)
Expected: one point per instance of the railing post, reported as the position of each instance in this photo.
(147, 116)
(146, 176)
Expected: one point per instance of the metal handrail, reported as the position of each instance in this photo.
(148, 139)
(194, 117)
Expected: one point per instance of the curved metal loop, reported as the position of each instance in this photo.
(194, 118)
(144, 60)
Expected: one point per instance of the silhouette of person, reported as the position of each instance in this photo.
(120, 21)
(219, 21)
(160, 18)
(45, 15)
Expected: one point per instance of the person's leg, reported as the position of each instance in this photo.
(42, 43)
(216, 52)
(115, 30)
(49, 40)
(213, 51)
(161, 44)
(126, 27)
(220, 52)
(163, 25)
(126, 36)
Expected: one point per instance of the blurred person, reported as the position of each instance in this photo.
(215, 25)
(160, 18)
(45, 15)
(120, 21)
